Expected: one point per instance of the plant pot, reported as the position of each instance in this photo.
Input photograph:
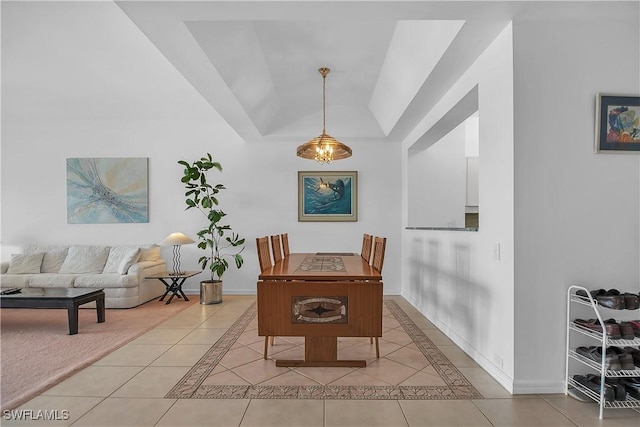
(211, 292)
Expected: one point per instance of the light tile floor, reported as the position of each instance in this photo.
(127, 388)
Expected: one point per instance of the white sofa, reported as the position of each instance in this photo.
(119, 270)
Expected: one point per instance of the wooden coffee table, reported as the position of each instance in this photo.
(69, 298)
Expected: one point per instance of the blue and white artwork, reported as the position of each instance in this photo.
(107, 190)
(328, 196)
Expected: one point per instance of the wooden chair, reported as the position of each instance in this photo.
(264, 258)
(276, 248)
(379, 245)
(285, 244)
(367, 241)
(377, 262)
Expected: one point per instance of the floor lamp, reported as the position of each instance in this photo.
(177, 240)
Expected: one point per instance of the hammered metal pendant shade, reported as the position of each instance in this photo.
(324, 148)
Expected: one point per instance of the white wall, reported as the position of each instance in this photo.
(261, 179)
(453, 277)
(438, 182)
(577, 213)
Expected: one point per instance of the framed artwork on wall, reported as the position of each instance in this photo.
(107, 190)
(617, 123)
(327, 196)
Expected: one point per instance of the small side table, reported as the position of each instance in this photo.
(175, 287)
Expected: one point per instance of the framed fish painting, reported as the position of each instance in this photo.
(617, 123)
(327, 196)
(107, 190)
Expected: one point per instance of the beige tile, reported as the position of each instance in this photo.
(224, 378)
(126, 412)
(134, 355)
(182, 355)
(152, 382)
(183, 322)
(259, 371)
(426, 377)
(203, 336)
(290, 378)
(240, 356)
(484, 383)
(358, 378)
(443, 413)
(65, 410)
(457, 356)
(389, 371)
(521, 412)
(205, 412)
(585, 414)
(365, 413)
(437, 337)
(409, 357)
(324, 375)
(97, 381)
(397, 336)
(162, 336)
(284, 412)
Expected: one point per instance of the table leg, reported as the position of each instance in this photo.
(100, 308)
(321, 352)
(72, 313)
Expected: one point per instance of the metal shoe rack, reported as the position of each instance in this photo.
(574, 301)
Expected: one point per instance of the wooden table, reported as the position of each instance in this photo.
(69, 298)
(175, 287)
(321, 296)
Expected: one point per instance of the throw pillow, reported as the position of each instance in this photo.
(25, 263)
(54, 256)
(150, 253)
(121, 258)
(85, 259)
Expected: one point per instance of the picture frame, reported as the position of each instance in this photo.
(617, 123)
(327, 196)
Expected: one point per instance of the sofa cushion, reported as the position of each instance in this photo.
(25, 263)
(106, 280)
(52, 280)
(149, 253)
(84, 259)
(54, 256)
(121, 258)
(15, 280)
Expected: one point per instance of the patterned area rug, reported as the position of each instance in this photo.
(430, 375)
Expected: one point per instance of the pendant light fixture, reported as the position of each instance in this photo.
(324, 148)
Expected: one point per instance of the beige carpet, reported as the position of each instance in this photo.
(410, 367)
(37, 352)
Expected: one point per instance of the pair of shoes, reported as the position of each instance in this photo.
(613, 329)
(635, 325)
(611, 359)
(626, 330)
(588, 382)
(619, 390)
(624, 356)
(632, 385)
(613, 299)
(635, 354)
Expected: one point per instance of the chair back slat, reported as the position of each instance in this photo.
(367, 241)
(285, 244)
(379, 245)
(276, 248)
(264, 257)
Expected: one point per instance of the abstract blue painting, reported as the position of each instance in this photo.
(327, 196)
(107, 190)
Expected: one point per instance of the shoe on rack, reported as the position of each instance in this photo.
(631, 301)
(635, 354)
(626, 330)
(619, 389)
(635, 325)
(611, 360)
(632, 385)
(587, 381)
(609, 299)
(625, 358)
(613, 329)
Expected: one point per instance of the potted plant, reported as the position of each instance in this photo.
(217, 239)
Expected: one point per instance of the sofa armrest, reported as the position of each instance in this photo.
(146, 268)
(4, 267)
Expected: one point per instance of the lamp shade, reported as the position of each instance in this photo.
(177, 239)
